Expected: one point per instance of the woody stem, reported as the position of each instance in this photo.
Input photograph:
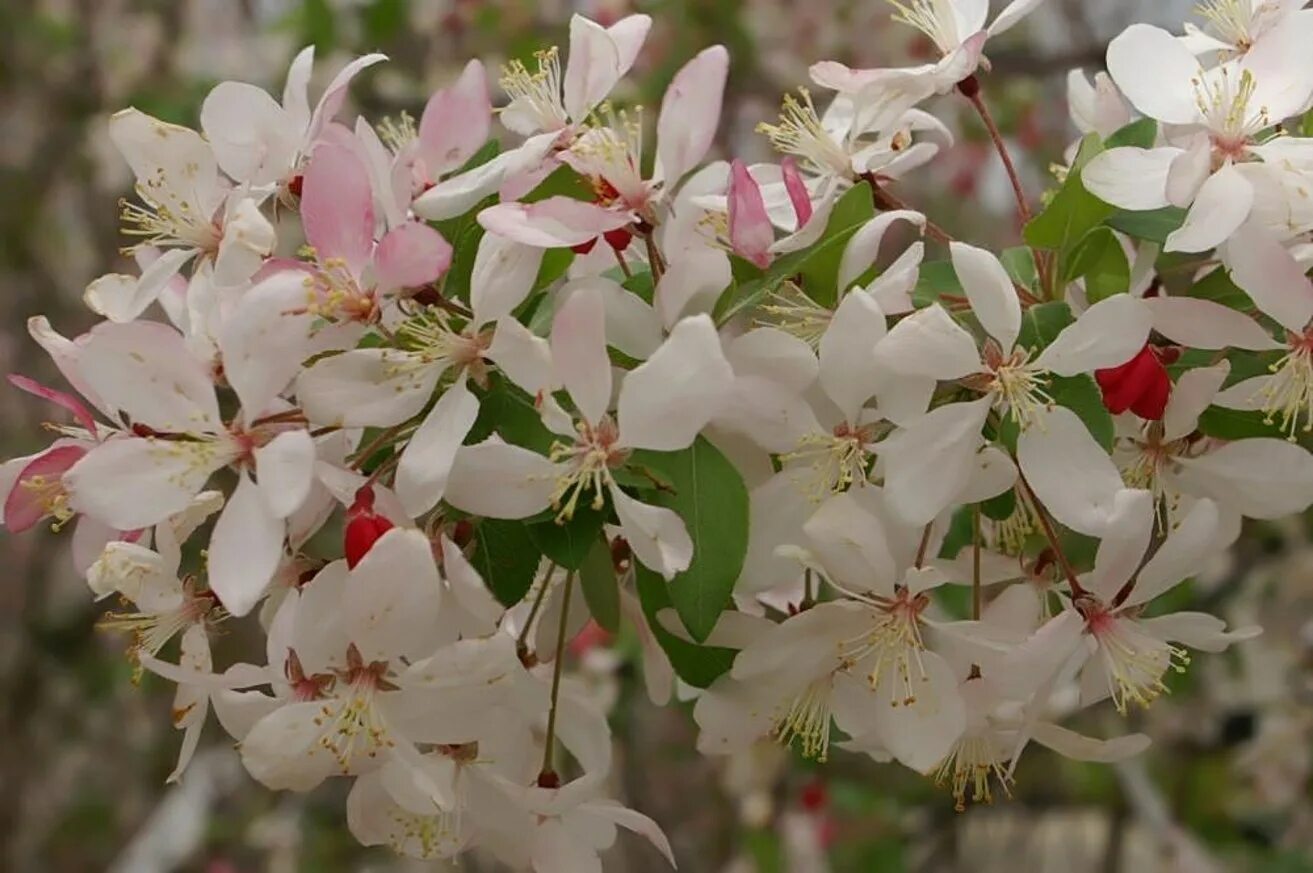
(550, 740)
(1042, 514)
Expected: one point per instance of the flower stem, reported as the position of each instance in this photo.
(970, 88)
(548, 773)
(521, 642)
(925, 544)
(1042, 514)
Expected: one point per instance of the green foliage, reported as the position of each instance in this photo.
(567, 543)
(508, 411)
(601, 589)
(1153, 225)
(936, 279)
(697, 665)
(1139, 134)
(1041, 324)
(708, 493)
(507, 558)
(1100, 260)
(1072, 213)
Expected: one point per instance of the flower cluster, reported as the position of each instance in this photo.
(436, 416)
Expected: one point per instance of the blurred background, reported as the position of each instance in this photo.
(84, 751)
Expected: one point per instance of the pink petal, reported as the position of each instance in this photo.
(59, 398)
(456, 122)
(690, 113)
(410, 256)
(557, 222)
(337, 206)
(23, 506)
(335, 95)
(798, 195)
(750, 231)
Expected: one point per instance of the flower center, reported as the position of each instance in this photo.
(1017, 385)
(894, 641)
(589, 460)
(790, 310)
(831, 462)
(807, 719)
(537, 93)
(1223, 97)
(1134, 661)
(1288, 395)
(431, 337)
(165, 220)
(333, 293)
(610, 153)
(800, 132)
(973, 763)
(50, 495)
(934, 18)
(1229, 20)
(351, 725)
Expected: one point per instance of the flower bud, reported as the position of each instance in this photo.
(363, 527)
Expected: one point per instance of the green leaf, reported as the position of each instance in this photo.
(601, 589)
(709, 495)
(1139, 134)
(1100, 260)
(568, 543)
(506, 557)
(1218, 287)
(936, 279)
(699, 666)
(1072, 212)
(1019, 261)
(506, 410)
(1000, 508)
(1153, 225)
(1082, 396)
(1235, 424)
(1041, 324)
(554, 264)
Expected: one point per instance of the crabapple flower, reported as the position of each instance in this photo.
(662, 405)
(1217, 114)
(261, 143)
(1234, 27)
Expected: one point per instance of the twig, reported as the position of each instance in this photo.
(548, 775)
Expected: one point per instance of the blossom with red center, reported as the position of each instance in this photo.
(1140, 385)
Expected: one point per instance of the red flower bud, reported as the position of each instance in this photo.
(584, 247)
(1140, 385)
(618, 239)
(363, 527)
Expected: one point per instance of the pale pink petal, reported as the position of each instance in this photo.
(1189, 171)
(636, 822)
(557, 222)
(497, 480)
(254, 139)
(578, 343)
(427, 459)
(1190, 545)
(457, 195)
(1155, 71)
(1012, 13)
(410, 256)
(366, 388)
(1221, 206)
(1131, 178)
(692, 283)
(1079, 747)
(592, 69)
(146, 370)
(1205, 324)
(669, 398)
(628, 34)
(774, 355)
(1108, 334)
(265, 339)
(799, 196)
(657, 535)
(690, 114)
(337, 206)
(989, 289)
(134, 483)
(334, 96)
(66, 355)
(849, 372)
(296, 100)
(1194, 392)
(390, 603)
(174, 165)
(929, 343)
(284, 468)
(526, 359)
(1071, 474)
(456, 122)
(245, 549)
(23, 507)
(929, 462)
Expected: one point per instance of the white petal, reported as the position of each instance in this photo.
(849, 371)
(775, 356)
(245, 549)
(1190, 545)
(1221, 206)
(920, 732)
(863, 247)
(526, 359)
(1079, 747)
(254, 139)
(1259, 478)
(851, 545)
(1269, 274)
(1155, 72)
(929, 462)
(1124, 542)
(578, 344)
(503, 276)
(929, 343)
(264, 341)
(989, 289)
(1194, 392)
(1071, 474)
(497, 480)
(284, 467)
(1198, 630)
(1130, 178)
(777, 510)
(284, 750)
(692, 284)
(1205, 324)
(366, 388)
(134, 483)
(656, 534)
(426, 461)
(690, 113)
(1108, 334)
(593, 67)
(390, 603)
(669, 398)
(457, 195)
(1189, 171)
(146, 370)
